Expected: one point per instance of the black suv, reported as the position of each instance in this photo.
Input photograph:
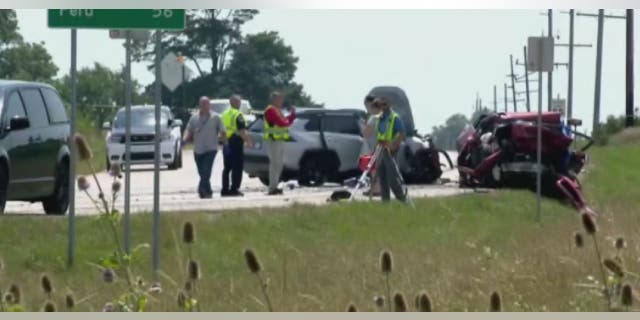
(34, 150)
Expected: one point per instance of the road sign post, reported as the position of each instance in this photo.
(129, 19)
(541, 60)
(156, 164)
(72, 161)
(127, 145)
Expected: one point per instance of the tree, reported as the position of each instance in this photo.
(27, 61)
(8, 27)
(262, 63)
(208, 35)
(100, 92)
(445, 136)
(20, 60)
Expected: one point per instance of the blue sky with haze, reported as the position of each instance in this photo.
(442, 58)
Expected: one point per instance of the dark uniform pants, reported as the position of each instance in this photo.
(233, 165)
(390, 178)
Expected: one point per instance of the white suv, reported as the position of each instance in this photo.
(142, 137)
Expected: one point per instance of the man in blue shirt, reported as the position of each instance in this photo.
(390, 133)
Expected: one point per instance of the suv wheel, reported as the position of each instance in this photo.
(311, 173)
(177, 159)
(58, 202)
(4, 186)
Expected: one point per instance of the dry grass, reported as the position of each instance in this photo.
(459, 250)
(629, 136)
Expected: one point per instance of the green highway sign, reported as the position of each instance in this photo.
(166, 19)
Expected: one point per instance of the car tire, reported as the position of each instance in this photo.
(108, 168)
(58, 202)
(4, 186)
(312, 173)
(177, 159)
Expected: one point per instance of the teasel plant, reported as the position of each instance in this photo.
(119, 262)
(423, 302)
(12, 299)
(186, 299)
(591, 229)
(386, 266)
(495, 302)
(255, 267)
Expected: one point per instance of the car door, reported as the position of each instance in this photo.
(58, 120)
(343, 134)
(43, 147)
(17, 145)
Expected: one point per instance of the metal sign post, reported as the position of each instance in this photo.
(156, 164)
(127, 146)
(72, 148)
(541, 60)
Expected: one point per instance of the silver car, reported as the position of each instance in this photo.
(143, 137)
(324, 147)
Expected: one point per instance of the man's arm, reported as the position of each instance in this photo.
(222, 132)
(274, 118)
(399, 133)
(292, 115)
(242, 131)
(188, 133)
(369, 128)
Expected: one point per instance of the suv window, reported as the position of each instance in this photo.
(57, 113)
(345, 124)
(14, 108)
(313, 123)
(35, 108)
(257, 126)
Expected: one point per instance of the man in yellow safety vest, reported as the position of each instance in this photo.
(236, 129)
(390, 133)
(276, 132)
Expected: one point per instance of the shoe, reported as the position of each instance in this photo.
(368, 193)
(235, 194)
(225, 193)
(275, 192)
(206, 196)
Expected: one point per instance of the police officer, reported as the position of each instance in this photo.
(236, 130)
(390, 133)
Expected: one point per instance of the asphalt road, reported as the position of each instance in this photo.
(178, 192)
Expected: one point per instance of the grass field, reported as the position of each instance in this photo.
(458, 249)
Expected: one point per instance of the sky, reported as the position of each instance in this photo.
(441, 58)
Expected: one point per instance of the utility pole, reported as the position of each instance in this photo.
(506, 101)
(596, 103)
(550, 73)
(571, 45)
(629, 110)
(495, 98)
(570, 85)
(526, 79)
(513, 85)
(596, 106)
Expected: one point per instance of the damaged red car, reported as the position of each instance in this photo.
(499, 150)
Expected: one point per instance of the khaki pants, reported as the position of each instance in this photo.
(275, 151)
